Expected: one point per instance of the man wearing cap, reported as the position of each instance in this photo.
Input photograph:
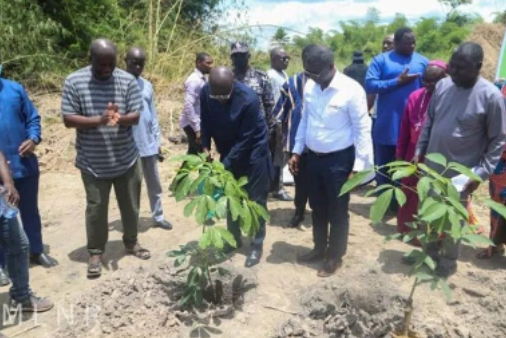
(358, 68)
(261, 85)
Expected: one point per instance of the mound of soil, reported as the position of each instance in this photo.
(490, 37)
(146, 304)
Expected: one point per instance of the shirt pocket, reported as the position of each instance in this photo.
(335, 112)
(470, 123)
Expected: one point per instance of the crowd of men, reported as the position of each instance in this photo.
(323, 123)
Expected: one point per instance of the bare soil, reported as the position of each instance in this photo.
(280, 298)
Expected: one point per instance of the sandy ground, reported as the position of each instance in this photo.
(476, 309)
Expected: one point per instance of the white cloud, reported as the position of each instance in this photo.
(300, 15)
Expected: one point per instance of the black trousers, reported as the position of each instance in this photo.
(300, 180)
(193, 147)
(326, 175)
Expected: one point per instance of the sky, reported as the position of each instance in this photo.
(299, 15)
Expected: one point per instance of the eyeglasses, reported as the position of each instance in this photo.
(285, 58)
(222, 97)
(313, 75)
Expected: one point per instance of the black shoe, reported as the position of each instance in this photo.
(313, 256)
(330, 267)
(43, 260)
(4, 280)
(296, 220)
(445, 272)
(33, 304)
(254, 257)
(282, 196)
(163, 224)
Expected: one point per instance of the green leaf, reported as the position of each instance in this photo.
(473, 239)
(227, 236)
(215, 181)
(205, 239)
(194, 186)
(202, 210)
(397, 164)
(456, 225)
(216, 237)
(392, 237)
(355, 181)
(464, 170)
(400, 196)
(230, 189)
(446, 288)
(452, 191)
(434, 212)
(427, 203)
(242, 181)
(378, 189)
(497, 207)
(380, 206)
(261, 211)
(235, 206)
(423, 276)
(404, 172)
(221, 207)
(429, 262)
(247, 215)
(182, 188)
(180, 260)
(423, 188)
(437, 158)
(174, 253)
(431, 172)
(188, 209)
(211, 204)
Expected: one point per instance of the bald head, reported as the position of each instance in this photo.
(221, 83)
(103, 58)
(388, 43)
(135, 61)
(466, 63)
(279, 59)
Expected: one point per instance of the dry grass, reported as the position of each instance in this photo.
(490, 37)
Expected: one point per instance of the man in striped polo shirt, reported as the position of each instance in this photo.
(103, 103)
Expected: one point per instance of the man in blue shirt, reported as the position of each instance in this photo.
(147, 136)
(288, 110)
(393, 76)
(231, 117)
(20, 132)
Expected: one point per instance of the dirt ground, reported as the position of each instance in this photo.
(286, 299)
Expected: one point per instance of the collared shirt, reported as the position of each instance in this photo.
(382, 79)
(19, 121)
(190, 115)
(147, 132)
(237, 128)
(105, 151)
(260, 83)
(466, 125)
(278, 79)
(288, 109)
(336, 118)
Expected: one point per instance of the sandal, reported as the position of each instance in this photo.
(138, 251)
(491, 252)
(94, 268)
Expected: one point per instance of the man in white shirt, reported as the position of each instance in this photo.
(278, 77)
(336, 129)
(190, 116)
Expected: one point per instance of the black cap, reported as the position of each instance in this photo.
(239, 47)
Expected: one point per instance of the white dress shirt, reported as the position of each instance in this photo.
(190, 115)
(336, 118)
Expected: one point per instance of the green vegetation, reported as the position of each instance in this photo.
(441, 219)
(221, 195)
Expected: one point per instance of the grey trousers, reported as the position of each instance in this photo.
(152, 178)
(447, 258)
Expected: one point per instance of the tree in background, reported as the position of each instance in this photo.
(452, 5)
(500, 17)
(280, 38)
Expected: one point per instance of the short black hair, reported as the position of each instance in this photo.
(471, 51)
(315, 54)
(201, 57)
(399, 34)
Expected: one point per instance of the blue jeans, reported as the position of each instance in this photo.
(28, 188)
(15, 245)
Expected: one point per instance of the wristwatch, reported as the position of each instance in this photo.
(35, 140)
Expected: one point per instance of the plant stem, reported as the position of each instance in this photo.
(408, 310)
(208, 272)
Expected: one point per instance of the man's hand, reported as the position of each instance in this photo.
(110, 116)
(293, 164)
(26, 148)
(198, 137)
(209, 155)
(471, 186)
(406, 78)
(12, 194)
(415, 160)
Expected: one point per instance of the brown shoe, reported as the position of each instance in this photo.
(32, 304)
(330, 267)
(312, 256)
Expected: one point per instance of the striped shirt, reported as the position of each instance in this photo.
(104, 151)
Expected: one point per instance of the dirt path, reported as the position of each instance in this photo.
(476, 310)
